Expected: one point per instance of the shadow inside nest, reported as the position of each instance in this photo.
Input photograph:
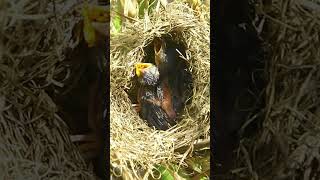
(80, 102)
(175, 83)
(239, 84)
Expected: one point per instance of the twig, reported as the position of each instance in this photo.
(122, 15)
(196, 146)
(310, 5)
(280, 22)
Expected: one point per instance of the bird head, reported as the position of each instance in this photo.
(159, 51)
(147, 73)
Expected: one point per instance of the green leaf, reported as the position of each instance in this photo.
(117, 20)
(143, 6)
(117, 23)
(165, 173)
(152, 5)
(204, 178)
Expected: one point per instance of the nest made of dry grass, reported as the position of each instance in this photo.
(288, 145)
(34, 140)
(134, 145)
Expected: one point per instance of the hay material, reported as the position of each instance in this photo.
(288, 146)
(134, 145)
(34, 140)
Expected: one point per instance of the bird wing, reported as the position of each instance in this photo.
(180, 85)
(151, 110)
(167, 100)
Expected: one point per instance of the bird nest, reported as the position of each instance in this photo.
(288, 145)
(34, 139)
(135, 148)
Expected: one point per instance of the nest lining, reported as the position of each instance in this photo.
(281, 149)
(134, 145)
(34, 140)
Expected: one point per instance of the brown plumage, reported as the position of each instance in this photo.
(164, 87)
(174, 75)
(152, 98)
(167, 104)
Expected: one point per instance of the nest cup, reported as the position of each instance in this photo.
(135, 148)
(35, 142)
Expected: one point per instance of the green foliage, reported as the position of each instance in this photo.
(116, 20)
(166, 174)
(198, 168)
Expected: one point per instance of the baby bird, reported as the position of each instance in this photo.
(174, 75)
(152, 97)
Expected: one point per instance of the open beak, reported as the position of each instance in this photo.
(140, 67)
(158, 48)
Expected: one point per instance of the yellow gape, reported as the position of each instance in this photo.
(141, 66)
(92, 13)
(98, 13)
